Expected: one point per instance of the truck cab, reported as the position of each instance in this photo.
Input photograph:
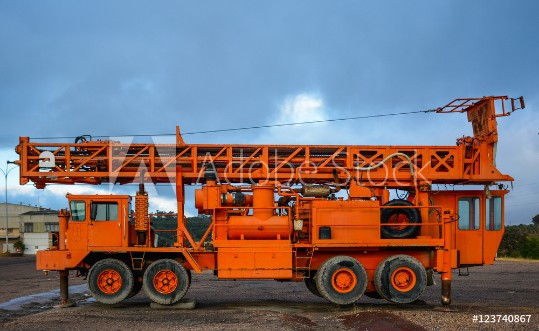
(479, 226)
(98, 221)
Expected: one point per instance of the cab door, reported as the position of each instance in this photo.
(469, 234)
(494, 225)
(105, 223)
(77, 230)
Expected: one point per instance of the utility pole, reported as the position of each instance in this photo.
(6, 173)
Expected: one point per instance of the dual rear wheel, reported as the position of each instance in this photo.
(343, 280)
(400, 279)
(165, 281)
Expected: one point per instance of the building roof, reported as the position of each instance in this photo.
(41, 212)
(31, 207)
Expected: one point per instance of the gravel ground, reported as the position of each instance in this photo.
(507, 287)
(19, 277)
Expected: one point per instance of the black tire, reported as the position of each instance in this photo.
(166, 281)
(400, 279)
(110, 281)
(80, 139)
(137, 286)
(341, 280)
(311, 285)
(401, 217)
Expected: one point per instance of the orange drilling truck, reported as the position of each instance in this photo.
(321, 214)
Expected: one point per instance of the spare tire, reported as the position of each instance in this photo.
(403, 218)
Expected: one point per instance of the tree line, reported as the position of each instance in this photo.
(521, 240)
(196, 226)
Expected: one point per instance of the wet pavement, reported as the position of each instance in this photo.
(43, 299)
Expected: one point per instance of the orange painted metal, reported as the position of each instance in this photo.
(254, 228)
(109, 281)
(343, 280)
(245, 261)
(165, 281)
(59, 260)
(403, 279)
(238, 163)
(96, 162)
(141, 212)
(63, 217)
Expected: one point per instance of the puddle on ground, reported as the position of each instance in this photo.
(40, 298)
(379, 321)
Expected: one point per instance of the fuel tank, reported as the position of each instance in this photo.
(263, 223)
(252, 228)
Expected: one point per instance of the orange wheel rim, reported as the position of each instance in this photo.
(165, 281)
(400, 221)
(403, 279)
(343, 280)
(109, 281)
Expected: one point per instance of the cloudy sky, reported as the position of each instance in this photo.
(130, 67)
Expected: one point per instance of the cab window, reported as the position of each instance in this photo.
(104, 211)
(494, 214)
(469, 213)
(78, 211)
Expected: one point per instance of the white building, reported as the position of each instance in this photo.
(35, 226)
(39, 228)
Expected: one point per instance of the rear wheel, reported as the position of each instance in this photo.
(341, 280)
(400, 279)
(166, 281)
(110, 281)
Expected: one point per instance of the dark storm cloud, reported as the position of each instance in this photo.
(123, 68)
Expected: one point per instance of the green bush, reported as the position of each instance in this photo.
(513, 238)
(520, 241)
(19, 246)
(530, 248)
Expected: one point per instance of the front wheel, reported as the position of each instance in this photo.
(341, 280)
(110, 281)
(166, 281)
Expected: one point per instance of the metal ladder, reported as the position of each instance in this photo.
(137, 263)
(303, 270)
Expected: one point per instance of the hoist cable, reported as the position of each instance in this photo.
(251, 127)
